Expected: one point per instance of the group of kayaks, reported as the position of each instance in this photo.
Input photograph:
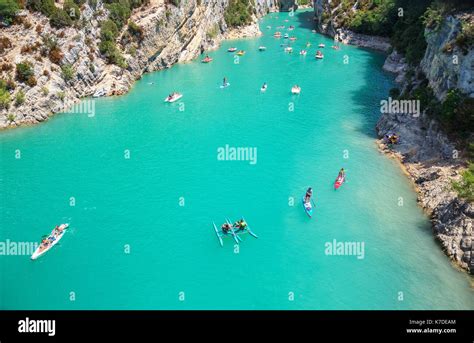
(308, 202)
(234, 230)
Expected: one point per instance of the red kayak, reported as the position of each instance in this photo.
(339, 181)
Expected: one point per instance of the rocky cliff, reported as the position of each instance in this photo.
(431, 160)
(446, 64)
(170, 34)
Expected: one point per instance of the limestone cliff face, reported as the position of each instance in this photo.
(429, 157)
(171, 34)
(445, 64)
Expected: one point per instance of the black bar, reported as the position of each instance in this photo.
(91, 325)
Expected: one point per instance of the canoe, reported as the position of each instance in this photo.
(217, 234)
(308, 208)
(339, 181)
(174, 98)
(39, 252)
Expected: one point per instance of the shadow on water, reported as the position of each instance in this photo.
(305, 19)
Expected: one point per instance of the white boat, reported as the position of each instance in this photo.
(263, 88)
(53, 238)
(100, 92)
(262, 48)
(289, 50)
(174, 97)
(321, 45)
(303, 52)
(319, 56)
(295, 90)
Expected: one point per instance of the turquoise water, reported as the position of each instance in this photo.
(173, 155)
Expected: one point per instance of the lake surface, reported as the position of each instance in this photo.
(146, 184)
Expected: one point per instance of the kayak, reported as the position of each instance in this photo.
(339, 181)
(293, 38)
(225, 85)
(320, 56)
(321, 45)
(218, 235)
(174, 98)
(308, 208)
(241, 53)
(207, 60)
(41, 250)
(232, 49)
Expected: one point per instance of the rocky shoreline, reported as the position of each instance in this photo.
(425, 153)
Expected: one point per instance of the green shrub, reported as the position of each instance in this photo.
(44, 90)
(19, 98)
(4, 99)
(24, 71)
(108, 31)
(110, 51)
(60, 18)
(465, 187)
(238, 13)
(67, 72)
(119, 12)
(72, 10)
(61, 95)
(44, 6)
(8, 10)
(433, 17)
(11, 117)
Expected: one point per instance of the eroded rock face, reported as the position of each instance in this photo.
(445, 64)
(170, 34)
(431, 162)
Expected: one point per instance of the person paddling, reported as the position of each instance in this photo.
(225, 81)
(309, 194)
(225, 227)
(342, 173)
